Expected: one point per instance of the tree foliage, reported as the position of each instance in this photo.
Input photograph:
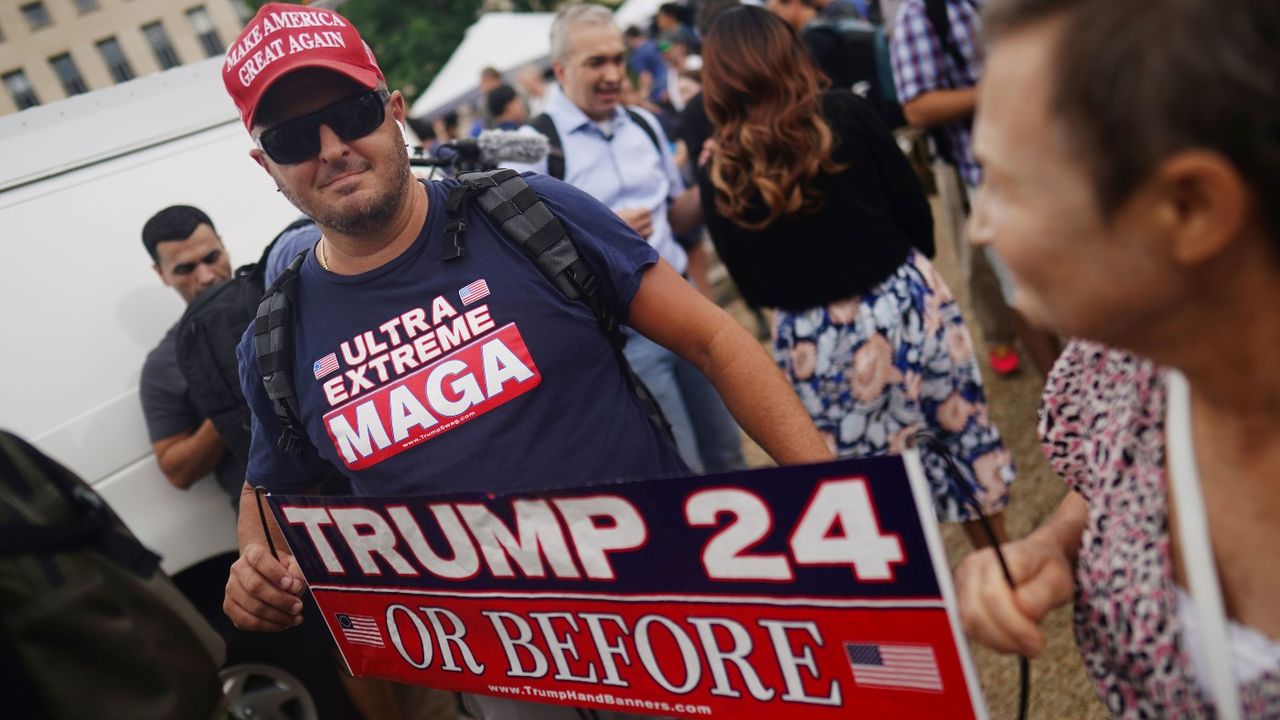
(414, 38)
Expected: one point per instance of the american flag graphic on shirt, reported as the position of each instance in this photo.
(475, 291)
(911, 667)
(325, 365)
(360, 629)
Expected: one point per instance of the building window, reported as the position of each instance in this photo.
(69, 74)
(86, 6)
(161, 46)
(24, 96)
(205, 30)
(117, 63)
(36, 14)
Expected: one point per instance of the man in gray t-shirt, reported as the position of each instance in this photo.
(171, 416)
(189, 257)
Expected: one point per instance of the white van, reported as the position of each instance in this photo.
(82, 307)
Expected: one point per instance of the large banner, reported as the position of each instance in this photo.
(803, 592)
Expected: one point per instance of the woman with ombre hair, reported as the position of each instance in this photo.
(817, 213)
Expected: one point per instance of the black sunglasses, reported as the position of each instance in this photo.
(350, 118)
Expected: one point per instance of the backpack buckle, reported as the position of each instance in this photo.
(482, 183)
(453, 234)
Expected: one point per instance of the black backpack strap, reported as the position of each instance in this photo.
(936, 12)
(273, 349)
(640, 120)
(456, 225)
(526, 220)
(555, 158)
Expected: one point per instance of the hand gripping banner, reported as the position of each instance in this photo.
(802, 592)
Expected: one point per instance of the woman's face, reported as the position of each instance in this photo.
(1076, 273)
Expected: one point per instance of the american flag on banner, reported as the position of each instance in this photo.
(912, 667)
(360, 629)
(473, 292)
(325, 365)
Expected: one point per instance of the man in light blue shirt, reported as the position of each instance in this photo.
(621, 156)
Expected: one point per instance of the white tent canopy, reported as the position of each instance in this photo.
(636, 12)
(506, 41)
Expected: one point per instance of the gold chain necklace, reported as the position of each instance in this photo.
(320, 254)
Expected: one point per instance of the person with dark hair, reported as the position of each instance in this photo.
(447, 127)
(816, 212)
(189, 257)
(671, 16)
(675, 18)
(559, 413)
(695, 127)
(506, 107)
(1132, 160)
(646, 63)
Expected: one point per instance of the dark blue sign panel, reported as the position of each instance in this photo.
(799, 592)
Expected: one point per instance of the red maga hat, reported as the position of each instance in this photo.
(282, 38)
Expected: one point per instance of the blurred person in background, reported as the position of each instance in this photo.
(816, 212)
(446, 128)
(645, 62)
(621, 156)
(1132, 159)
(695, 127)
(676, 54)
(534, 86)
(676, 18)
(506, 107)
(490, 80)
(937, 57)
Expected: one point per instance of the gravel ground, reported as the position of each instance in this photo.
(1059, 688)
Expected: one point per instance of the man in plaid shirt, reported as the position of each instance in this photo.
(937, 87)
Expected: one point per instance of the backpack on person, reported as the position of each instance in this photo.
(207, 335)
(524, 219)
(864, 64)
(555, 158)
(90, 627)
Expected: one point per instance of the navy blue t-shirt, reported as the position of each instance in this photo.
(427, 376)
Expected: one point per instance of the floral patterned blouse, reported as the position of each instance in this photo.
(1102, 429)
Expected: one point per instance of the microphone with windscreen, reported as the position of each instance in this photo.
(500, 147)
(492, 149)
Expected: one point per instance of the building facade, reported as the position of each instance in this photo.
(53, 49)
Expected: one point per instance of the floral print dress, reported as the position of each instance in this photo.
(875, 369)
(1102, 429)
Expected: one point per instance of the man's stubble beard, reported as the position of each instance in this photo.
(376, 214)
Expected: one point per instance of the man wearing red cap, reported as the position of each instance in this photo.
(379, 301)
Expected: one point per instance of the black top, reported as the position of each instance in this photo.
(872, 214)
(695, 126)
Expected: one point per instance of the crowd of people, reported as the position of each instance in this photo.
(1109, 168)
